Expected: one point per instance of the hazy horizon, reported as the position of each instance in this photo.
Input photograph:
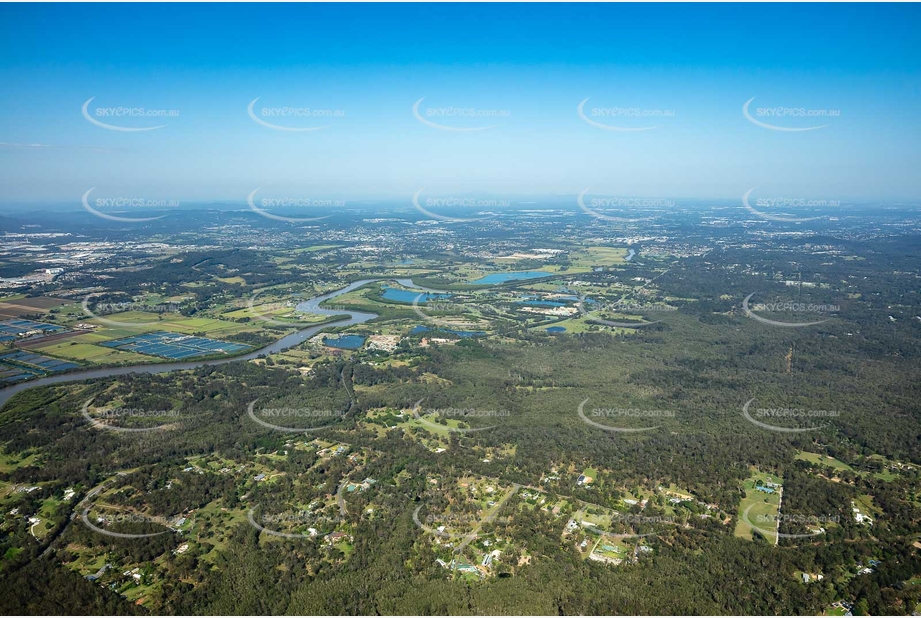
(380, 102)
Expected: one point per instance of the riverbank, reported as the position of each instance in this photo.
(286, 342)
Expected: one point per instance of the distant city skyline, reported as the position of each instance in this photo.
(379, 102)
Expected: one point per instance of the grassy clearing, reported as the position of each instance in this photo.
(885, 474)
(758, 508)
(85, 347)
(87, 352)
(582, 324)
(131, 323)
(428, 423)
(283, 314)
(823, 460)
(598, 256)
(232, 280)
(612, 550)
(8, 463)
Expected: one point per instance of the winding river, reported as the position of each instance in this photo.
(288, 341)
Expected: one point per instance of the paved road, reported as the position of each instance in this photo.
(495, 511)
(73, 514)
(340, 499)
(777, 526)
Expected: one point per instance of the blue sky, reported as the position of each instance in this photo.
(687, 69)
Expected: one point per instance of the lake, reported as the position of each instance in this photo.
(497, 278)
(344, 342)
